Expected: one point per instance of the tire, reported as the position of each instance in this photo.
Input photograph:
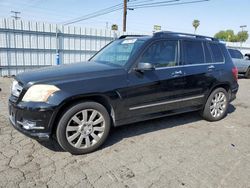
(83, 128)
(214, 110)
(247, 74)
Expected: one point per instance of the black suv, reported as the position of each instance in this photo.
(134, 78)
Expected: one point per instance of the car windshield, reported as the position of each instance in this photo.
(118, 52)
(235, 54)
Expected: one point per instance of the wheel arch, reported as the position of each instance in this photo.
(224, 85)
(103, 100)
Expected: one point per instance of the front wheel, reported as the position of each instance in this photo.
(216, 106)
(83, 128)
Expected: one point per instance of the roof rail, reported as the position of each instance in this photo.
(125, 36)
(169, 33)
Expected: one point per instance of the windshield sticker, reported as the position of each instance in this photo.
(129, 41)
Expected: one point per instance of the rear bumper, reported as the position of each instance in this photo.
(233, 93)
(32, 121)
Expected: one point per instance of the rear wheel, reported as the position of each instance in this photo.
(83, 128)
(216, 105)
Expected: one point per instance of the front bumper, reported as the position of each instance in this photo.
(31, 120)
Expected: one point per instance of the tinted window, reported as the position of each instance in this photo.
(208, 55)
(193, 52)
(161, 54)
(235, 54)
(217, 54)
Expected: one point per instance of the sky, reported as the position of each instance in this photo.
(214, 15)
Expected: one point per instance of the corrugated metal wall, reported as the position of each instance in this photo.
(27, 45)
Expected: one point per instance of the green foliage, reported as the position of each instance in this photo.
(242, 36)
(114, 27)
(196, 24)
(229, 36)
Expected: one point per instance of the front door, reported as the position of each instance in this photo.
(155, 91)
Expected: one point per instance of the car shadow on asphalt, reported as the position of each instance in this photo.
(119, 133)
(145, 127)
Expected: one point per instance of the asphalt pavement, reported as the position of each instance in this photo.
(178, 151)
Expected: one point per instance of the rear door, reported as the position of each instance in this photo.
(198, 70)
(218, 61)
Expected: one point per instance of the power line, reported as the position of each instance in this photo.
(132, 4)
(95, 14)
(168, 4)
(155, 3)
(100, 12)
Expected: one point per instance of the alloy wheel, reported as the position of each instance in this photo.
(85, 128)
(218, 104)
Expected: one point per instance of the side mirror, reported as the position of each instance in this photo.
(145, 67)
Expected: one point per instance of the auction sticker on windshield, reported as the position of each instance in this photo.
(130, 41)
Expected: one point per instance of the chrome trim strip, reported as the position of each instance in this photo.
(180, 66)
(28, 127)
(166, 102)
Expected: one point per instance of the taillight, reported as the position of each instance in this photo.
(235, 73)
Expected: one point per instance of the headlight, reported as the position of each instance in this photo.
(16, 89)
(39, 93)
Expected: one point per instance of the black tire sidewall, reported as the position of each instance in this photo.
(206, 112)
(61, 128)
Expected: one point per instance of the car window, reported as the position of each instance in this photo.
(216, 52)
(208, 55)
(118, 52)
(193, 52)
(161, 54)
(235, 54)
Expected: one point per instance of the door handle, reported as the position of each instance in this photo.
(211, 67)
(177, 73)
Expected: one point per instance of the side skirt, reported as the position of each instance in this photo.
(155, 115)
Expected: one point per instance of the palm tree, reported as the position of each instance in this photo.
(196, 24)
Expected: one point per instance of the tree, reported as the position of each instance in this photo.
(196, 24)
(242, 36)
(114, 27)
(222, 35)
(229, 36)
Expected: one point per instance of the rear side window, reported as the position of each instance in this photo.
(193, 52)
(161, 53)
(216, 52)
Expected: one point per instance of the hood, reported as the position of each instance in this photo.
(67, 72)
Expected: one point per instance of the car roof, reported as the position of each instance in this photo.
(171, 35)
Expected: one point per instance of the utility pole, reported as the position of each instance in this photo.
(242, 27)
(124, 15)
(15, 15)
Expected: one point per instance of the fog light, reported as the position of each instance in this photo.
(29, 125)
